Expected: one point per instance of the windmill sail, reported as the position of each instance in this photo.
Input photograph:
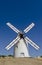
(29, 27)
(12, 43)
(31, 43)
(12, 27)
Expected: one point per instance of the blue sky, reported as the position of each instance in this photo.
(20, 14)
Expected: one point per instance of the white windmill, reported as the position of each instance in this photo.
(21, 42)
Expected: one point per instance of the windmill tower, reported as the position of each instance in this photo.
(21, 42)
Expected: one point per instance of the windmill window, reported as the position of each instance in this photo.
(22, 54)
(16, 46)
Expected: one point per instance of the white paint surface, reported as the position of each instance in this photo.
(21, 49)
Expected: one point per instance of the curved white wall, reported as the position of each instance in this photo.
(21, 49)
